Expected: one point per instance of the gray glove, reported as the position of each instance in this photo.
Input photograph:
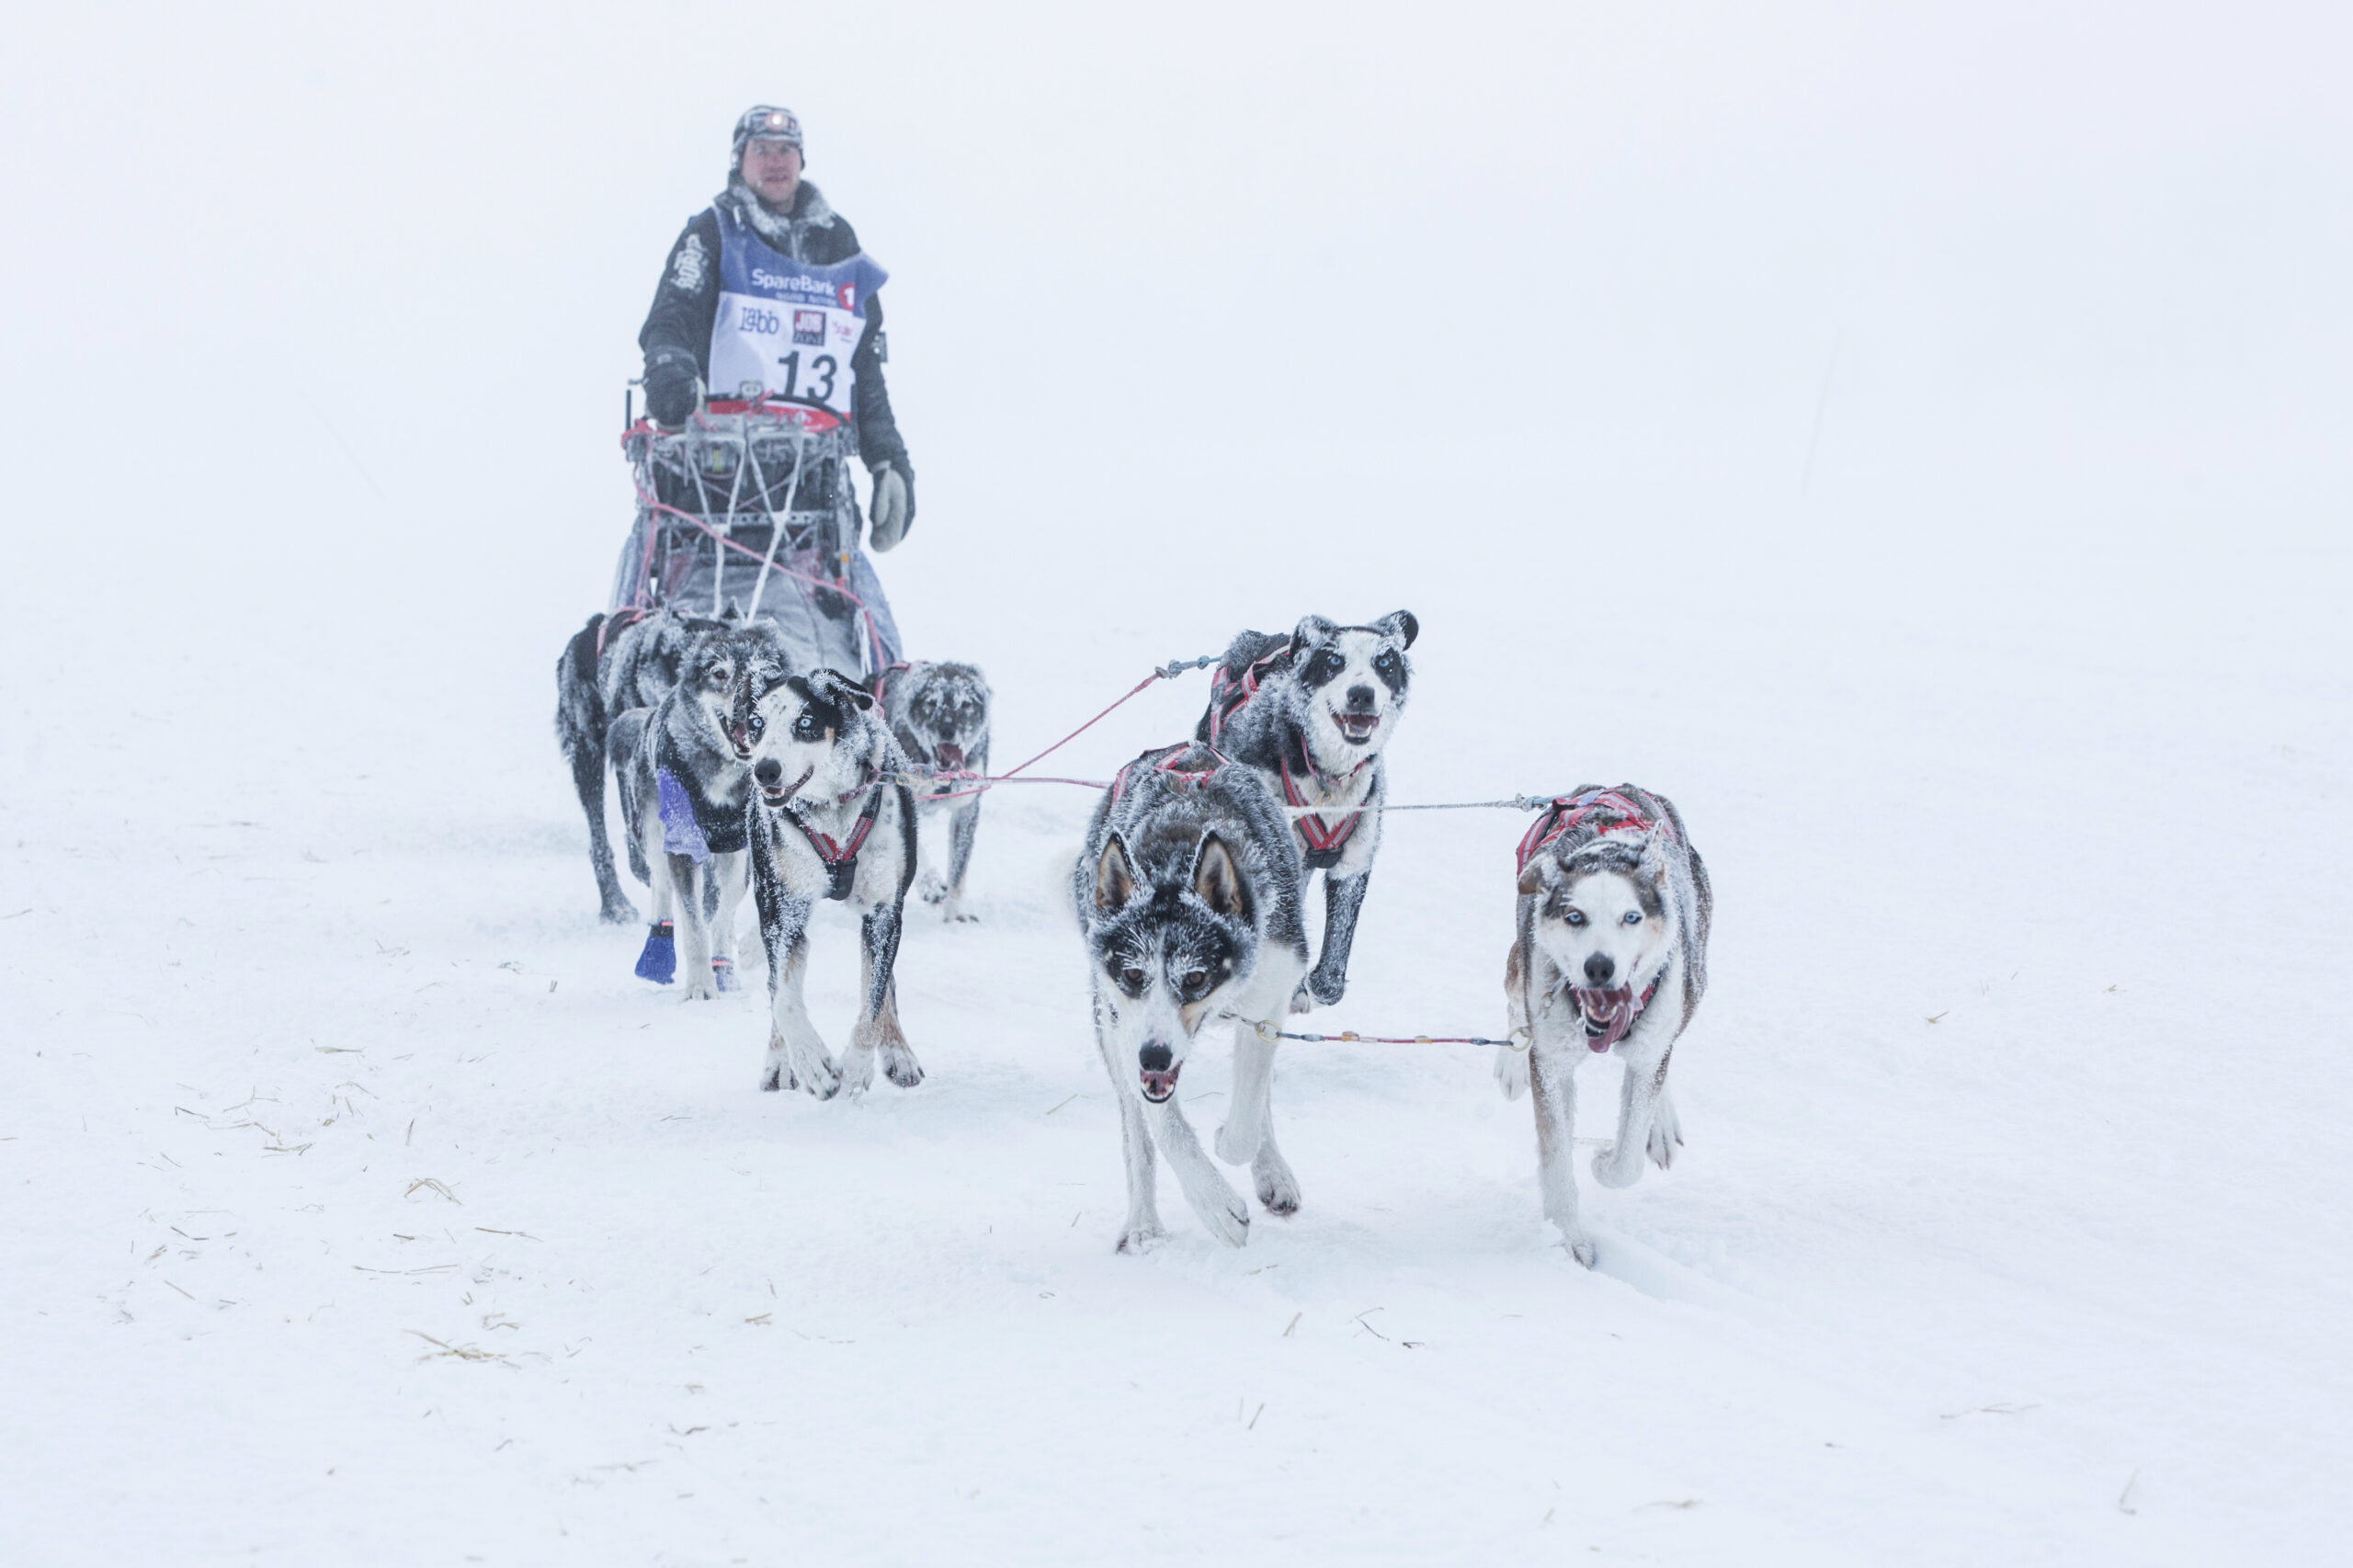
(893, 505)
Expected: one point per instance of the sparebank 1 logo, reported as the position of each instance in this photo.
(808, 326)
(847, 294)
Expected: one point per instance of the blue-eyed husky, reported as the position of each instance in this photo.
(830, 820)
(1611, 955)
(1188, 895)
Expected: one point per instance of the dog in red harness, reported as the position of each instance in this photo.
(1188, 895)
(829, 819)
(1612, 956)
(1310, 714)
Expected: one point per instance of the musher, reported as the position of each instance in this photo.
(767, 295)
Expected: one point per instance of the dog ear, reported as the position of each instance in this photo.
(1218, 879)
(1400, 623)
(1310, 631)
(1531, 880)
(1654, 844)
(833, 686)
(1114, 883)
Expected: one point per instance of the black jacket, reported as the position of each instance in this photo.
(686, 300)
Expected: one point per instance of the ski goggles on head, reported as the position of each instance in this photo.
(764, 122)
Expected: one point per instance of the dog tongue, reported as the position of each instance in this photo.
(951, 756)
(1611, 1007)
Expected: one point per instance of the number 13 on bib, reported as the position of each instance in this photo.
(787, 328)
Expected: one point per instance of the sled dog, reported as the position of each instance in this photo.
(1188, 895)
(1611, 955)
(829, 819)
(612, 665)
(939, 715)
(1310, 714)
(684, 777)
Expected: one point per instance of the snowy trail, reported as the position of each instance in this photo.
(1911, 439)
(374, 1211)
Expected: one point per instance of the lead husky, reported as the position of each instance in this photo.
(1612, 954)
(829, 819)
(939, 715)
(612, 665)
(683, 786)
(1188, 895)
(1310, 714)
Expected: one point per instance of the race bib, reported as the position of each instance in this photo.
(787, 328)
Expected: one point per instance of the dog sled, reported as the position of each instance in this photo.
(748, 510)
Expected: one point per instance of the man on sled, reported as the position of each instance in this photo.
(764, 354)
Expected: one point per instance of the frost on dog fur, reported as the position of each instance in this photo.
(1312, 714)
(939, 713)
(829, 819)
(1611, 955)
(1188, 895)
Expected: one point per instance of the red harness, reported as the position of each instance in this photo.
(841, 859)
(1229, 696)
(1325, 840)
(882, 678)
(1570, 810)
(1164, 761)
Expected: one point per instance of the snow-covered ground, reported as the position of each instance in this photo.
(1958, 539)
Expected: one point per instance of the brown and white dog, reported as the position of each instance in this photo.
(1611, 955)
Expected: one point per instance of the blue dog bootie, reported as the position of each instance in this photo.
(659, 961)
(722, 974)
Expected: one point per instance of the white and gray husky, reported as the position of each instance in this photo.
(1611, 955)
(1188, 895)
(829, 819)
(684, 777)
(939, 715)
(1310, 714)
(614, 663)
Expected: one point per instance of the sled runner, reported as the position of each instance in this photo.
(749, 508)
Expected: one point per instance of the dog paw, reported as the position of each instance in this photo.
(1667, 1135)
(1511, 1073)
(856, 1072)
(1137, 1238)
(1232, 1149)
(899, 1064)
(1301, 1001)
(1328, 989)
(723, 975)
(659, 960)
(618, 911)
(954, 913)
(699, 988)
(931, 886)
(1228, 1218)
(1278, 1188)
(1580, 1245)
(1611, 1170)
(807, 1069)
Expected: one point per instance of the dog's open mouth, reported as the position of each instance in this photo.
(949, 756)
(777, 795)
(1356, 728)
(1607, 1012)
(1159, 1084)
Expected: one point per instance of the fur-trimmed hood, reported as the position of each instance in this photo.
(787, 231)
